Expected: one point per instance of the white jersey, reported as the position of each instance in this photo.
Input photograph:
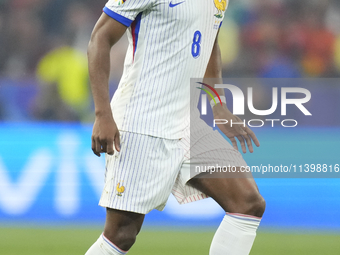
(170, 41)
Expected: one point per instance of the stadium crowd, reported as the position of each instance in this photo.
(43, 69)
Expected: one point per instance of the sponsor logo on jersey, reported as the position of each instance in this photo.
(120, 189)
(171, 5)
(221, 6)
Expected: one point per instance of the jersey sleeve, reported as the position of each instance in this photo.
(125, 11)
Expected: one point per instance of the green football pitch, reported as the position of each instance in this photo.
(53, 241)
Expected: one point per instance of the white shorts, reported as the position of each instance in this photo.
(142, 175)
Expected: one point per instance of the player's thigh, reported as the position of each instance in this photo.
(235, 194)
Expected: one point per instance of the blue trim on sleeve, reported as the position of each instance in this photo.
(220, 24)
(121, 19)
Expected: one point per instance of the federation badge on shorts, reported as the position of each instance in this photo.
(120, 189)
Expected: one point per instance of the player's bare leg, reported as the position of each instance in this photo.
(244, 205)
(122, 227)
(120, 231)
(234, 195)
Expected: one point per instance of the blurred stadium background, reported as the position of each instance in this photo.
(50, 182)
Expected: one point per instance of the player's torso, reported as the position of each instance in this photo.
(188, 27)
(185, 15)
(174, 32)
(168, 44)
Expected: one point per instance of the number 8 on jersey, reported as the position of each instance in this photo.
(196, 44)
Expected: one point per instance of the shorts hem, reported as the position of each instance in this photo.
(191, 198)
(122, 208)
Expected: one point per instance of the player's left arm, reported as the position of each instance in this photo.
(244, 134)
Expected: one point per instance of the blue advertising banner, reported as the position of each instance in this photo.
(48, 174)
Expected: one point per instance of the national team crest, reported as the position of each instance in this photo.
(120, 2)
(221, 6)
(120, 189)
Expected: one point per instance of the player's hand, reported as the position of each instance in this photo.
(243, 134)
(105, 135)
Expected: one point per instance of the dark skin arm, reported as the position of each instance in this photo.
(244, 134)
(106, 33)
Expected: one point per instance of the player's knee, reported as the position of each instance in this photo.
(256, 204)
(122, 227)
(122, 238)
(126, 240)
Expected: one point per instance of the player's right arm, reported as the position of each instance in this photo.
(106, 33)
